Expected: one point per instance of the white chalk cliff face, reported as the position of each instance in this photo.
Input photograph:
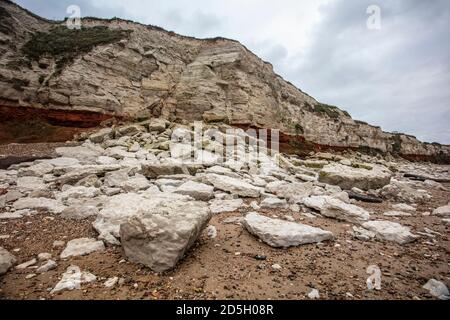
(151, 72)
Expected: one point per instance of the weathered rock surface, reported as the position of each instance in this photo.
(7, 261)
(51, 205)
(346, 177)
(221, 206)
(283, 234)
(437, 289)
(234, 186)
(49, 265)
(198, 191)
(404, 192)
(334, 208)
(81, 247)
(442, 211)
(161, 237)
(77, 212)
(273, 203)
(119, 208)
(72, 279)
(390, 231)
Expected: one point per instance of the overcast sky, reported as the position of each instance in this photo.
(397, 76)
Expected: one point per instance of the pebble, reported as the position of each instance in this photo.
(111, 282)
(314, 294)
(58, 244)
(44, 256)
(27, 264)
(276, 267)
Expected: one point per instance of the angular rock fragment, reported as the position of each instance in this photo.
(442, 211)
(335, 208)
(80, 153)
(437, 289)
(77, 212)
(51, 205)
(403, 207)
(221, 206)
(153, 170)
(348, 177)
(283, 234)
(273, 203)
(161, 237)
(81, 247)
(397, 214)
(49, 265)
(234, 186)
(404, 192)
(7, 261)
(72, 279)
(390, 231)
(198, 191)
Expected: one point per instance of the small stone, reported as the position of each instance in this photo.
(31, 275)
(437, 289)
(27, 264)
(314, 294)
(276, 267)
(58, 244)
(374, 280)
(111, 282)
(72, 279)
(7, 260)
(403, 207)
(44, 256)
(49, 265)
(260, 257)
(397, 214)
(211, 231)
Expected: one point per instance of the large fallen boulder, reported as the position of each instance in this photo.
(161, 237)
(283, 234)
(119, 208)
(364, 178)
(234, 186)
(7, 260)
(390, 231)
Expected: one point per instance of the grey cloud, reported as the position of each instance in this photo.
(397, 77)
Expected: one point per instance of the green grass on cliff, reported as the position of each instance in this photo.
(64, 44)
(330, 111)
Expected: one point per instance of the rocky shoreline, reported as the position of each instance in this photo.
(143, 211)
